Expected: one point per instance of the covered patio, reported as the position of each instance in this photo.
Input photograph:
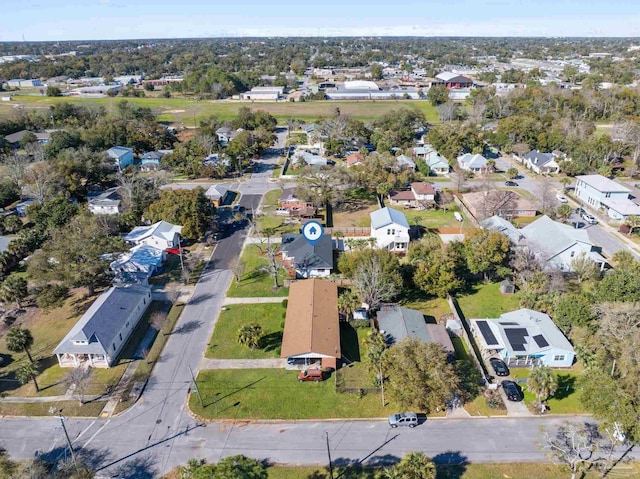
(73, 360)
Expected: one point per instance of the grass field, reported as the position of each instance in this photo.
(255, 283)
(432, 308)
(191, 111)
(224, 340)
(67, 408)
(465, 471)
(486, 301)
(276, 394)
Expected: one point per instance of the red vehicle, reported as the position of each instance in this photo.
(172, 250)
(311, 375)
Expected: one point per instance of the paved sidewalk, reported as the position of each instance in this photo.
(126, 378)
(272, 299)
(274, 363)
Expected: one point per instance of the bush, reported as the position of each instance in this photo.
(285, 302)
(360, 323)
(52, 296)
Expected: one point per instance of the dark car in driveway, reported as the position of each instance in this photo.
(499, 367)
(512, 391)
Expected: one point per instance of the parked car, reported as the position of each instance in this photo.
(403, 419)
(512, 391)
(311, 375)
(237, 209)
(499, 367)
(172, 251)
(579, 211)
(588, 218)
(561, 198)
(510, 183)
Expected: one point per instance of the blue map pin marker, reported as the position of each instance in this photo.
(312, 231)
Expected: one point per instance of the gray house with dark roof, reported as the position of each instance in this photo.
(101, 333)
(541, 162)
(397, 323)
(308, 260)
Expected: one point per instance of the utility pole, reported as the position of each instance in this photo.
(180, 252)
(66, 435)
(329, 454)
(195, 387)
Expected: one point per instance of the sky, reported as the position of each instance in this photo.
(44, 20)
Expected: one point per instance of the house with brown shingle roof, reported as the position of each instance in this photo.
(421, 195)
(354, 159)
(311, 325)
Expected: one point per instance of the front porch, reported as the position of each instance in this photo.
(71, 360)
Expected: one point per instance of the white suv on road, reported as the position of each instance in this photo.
(588, 218)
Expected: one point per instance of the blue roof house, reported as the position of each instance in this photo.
(121, 155)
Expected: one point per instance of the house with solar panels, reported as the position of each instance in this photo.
(523, 337)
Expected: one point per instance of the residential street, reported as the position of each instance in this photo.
(158, 433)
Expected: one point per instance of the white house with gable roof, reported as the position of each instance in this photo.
(160, 235)
(390, 229)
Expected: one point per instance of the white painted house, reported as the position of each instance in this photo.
(524, 337)
(105, 203)
(558, 245)
(473, 163)
(159, 235)
(601, 193)
(540, 162)
(99, 336)
(390, 229)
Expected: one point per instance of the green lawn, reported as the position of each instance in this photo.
(187, 110)
(478, 407)
(486, 301)
(433, 219)
(432, 308)
(224, 340)
(527, 470)
(270, 198)
(67, 408)
(276, 394)
(255, 283)
(566, 400)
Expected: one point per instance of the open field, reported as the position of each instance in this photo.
(276, 394)
(224, 340)
(190, 111)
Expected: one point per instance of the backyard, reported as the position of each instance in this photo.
(484, 300)
(255, 282)
(224, 340)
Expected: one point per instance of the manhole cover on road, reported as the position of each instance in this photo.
(158, 421)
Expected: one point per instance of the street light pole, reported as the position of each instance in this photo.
(66, 435)
(329, 454)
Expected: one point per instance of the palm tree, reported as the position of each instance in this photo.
(542, 382)
(566, 181)
(348, 302)
(14, 288)
(375, 357)
(27, 373)
(249, 335)
(415, 465)
(563, 212)
(19, 339)
(632, 222)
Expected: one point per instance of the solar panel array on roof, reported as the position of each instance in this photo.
(540, 341)
(516, 337)
(487, 334)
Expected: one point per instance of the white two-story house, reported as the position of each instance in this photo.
(390, 229)
(160, 235)
(601, 193)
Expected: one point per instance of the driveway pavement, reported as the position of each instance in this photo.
(270, 363)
